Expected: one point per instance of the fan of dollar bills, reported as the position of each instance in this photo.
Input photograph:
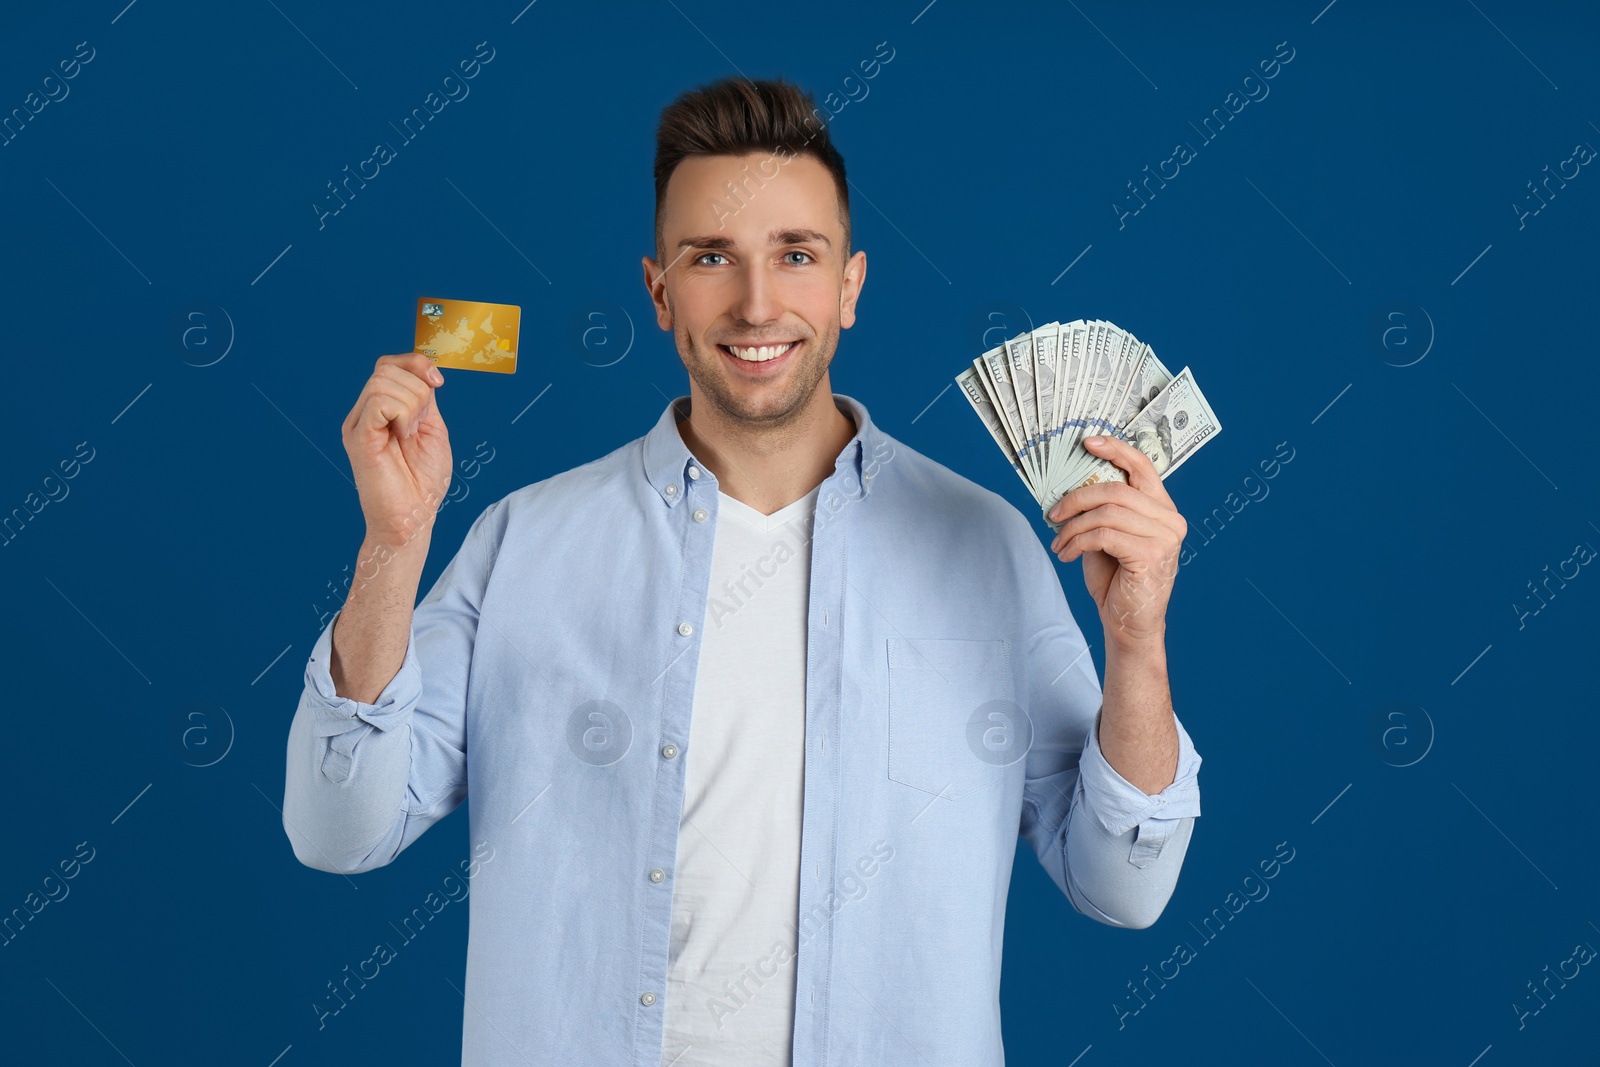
(1042, 392)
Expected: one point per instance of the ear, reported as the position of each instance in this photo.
(855, 275)
(656, 282)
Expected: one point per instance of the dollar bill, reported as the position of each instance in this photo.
(1045, 341)
(992, 372)
(1148, 378)
(1169, 429)
(1042, 392)
(1073, 352)
(972, 388)
(1019, 365)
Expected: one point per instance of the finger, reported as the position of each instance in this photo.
(430, 408)
(408, 373)
(1113, 516)
(429, 415)
(386, 407)
(1092, 496)
(432, 418)
(404, 379)
(1123, 546)
(1142, 474)
(416, 363)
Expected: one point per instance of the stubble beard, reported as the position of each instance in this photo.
(771, 411)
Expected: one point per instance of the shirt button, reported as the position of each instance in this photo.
(685, 628)
(672, 490)
(647, 999)
(699, 514)
(669, 751)
(694, 472)
(657, 874)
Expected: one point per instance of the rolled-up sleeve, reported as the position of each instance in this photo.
(1114, 850)
(1120, 806)
(363, 781)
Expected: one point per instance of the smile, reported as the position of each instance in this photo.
(758, 353)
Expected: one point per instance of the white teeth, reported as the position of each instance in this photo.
(759, 354)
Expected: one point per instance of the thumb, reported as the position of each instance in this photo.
(430, 416)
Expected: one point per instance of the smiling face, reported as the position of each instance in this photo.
(756, 289)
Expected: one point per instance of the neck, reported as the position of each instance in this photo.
(768, 467)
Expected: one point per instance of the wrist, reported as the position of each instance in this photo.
(1127, 644)
(379, 554)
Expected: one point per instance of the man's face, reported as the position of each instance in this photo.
(754, 287)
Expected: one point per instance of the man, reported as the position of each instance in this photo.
(753, 708)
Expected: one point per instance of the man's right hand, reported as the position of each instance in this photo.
(399, 448)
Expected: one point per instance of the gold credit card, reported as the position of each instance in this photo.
(468, 334)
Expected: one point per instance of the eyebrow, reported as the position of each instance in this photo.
(777, 237)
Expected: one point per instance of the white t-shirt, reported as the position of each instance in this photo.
(736, 884)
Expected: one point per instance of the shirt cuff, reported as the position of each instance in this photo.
(333, 715)
(1119, 805)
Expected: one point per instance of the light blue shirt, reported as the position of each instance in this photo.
(951, 704)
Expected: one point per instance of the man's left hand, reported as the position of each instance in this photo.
(1129, 535)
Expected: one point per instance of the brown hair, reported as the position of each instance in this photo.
(736, 116)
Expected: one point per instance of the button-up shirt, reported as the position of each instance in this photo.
(951, 704)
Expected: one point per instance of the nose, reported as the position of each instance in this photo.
(756, 302)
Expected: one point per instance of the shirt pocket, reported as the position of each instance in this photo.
(953, 723)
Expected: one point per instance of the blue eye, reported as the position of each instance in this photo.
(701, 257)
(807, 255)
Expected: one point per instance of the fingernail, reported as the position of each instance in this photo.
(1094, 440)
(434, 376)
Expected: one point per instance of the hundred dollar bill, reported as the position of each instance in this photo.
(1072, 351)
(1148, 378)
(1019, 364)
(992, 367)
(972, 388)
(1169, 429)
(1045, 340)
(1040, 393)
(1094, 381)
(1120, 350)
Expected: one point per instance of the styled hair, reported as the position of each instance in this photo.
(737, 116)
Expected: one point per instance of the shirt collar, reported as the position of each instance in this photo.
(669, 466)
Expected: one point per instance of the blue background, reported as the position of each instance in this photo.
(1345, 650)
